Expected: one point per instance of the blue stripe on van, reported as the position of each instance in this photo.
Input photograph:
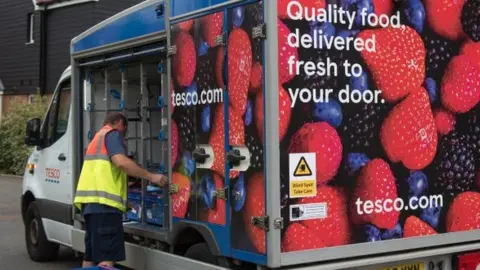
(137, 24)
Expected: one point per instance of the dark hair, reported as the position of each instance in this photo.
(113, 118)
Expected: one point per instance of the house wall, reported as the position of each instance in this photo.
(66, 23)
(19, 63)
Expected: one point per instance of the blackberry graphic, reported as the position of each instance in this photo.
(185, 118)
(256, 150)
(439, 52)
(361, 130)
(205, 72)
(454, 165)
(473, 126)
(253, 18)
(471, 19)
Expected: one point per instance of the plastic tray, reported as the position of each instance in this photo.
(153, 206)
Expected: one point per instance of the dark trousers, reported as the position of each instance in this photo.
(104, 239)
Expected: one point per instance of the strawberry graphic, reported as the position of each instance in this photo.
(256, 78)
(219, 67)
(416, 227)
(212, 27)
(334, 229)
(186, 25)
(184, 61)
(409, 134)
(463, 214)
(285, 111)
(239, 68)
(383, 7)
(444, 17)
(217, 137)
(398, 63)
(180, 199)
(472, 50)
(216, 215)
(376, 182)
(323, 140)
(298, 237)
(285, 52)
(460, 89)
(174, 142)
(309, 4)
(444, 120)
(254, 207)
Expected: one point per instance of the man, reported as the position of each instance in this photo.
(102, 192)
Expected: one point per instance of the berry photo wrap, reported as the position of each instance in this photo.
(201, 76)
(198, 119)
(379, 120)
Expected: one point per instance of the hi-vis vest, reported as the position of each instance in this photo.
(100, 180)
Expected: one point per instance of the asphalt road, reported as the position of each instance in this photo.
(13, 254)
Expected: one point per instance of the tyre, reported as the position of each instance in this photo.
(38, 247)
(201, 252)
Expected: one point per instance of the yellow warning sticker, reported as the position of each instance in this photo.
(302, 168)
(304, 188)
(302, 176)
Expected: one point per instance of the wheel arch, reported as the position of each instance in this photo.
(185, 234)
(27, 199)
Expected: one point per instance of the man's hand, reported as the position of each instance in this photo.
(159, 180)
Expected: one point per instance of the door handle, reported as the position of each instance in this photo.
(199, 155)
(62, 157)
(234, 157)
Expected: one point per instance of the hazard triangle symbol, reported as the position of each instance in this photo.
(302, 168)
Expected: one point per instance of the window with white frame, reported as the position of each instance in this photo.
(30, 24)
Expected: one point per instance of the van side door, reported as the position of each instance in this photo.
(54, 166)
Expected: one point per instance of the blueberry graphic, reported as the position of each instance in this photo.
(249, 113)
(432, 89)
(239, 193)
(355, 161)
(206, 191)
(192, 89)
(203, 48)
(330, 112)
(188, 164)
(417, 184)
(347, 33)
(371, 233)
(206, 119)
(415, 14)
(431, 215)
(359, 83)
(394, 233)
(325, 29)
(238, 16)
(366, 5)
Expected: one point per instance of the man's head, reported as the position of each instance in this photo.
(117, 121)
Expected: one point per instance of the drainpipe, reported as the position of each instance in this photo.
(43, 52)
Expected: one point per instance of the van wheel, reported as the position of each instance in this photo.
(38, 247)
(201, 252)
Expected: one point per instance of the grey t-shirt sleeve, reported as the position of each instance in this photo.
(114, 143)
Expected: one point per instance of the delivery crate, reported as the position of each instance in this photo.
(153, 206)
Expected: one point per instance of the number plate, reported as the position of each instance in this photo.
(413, 266)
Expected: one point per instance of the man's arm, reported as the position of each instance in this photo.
(131, 168)
(117, 154)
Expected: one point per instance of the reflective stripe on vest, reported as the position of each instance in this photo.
(100, 180)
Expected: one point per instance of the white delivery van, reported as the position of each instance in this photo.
(295, 134)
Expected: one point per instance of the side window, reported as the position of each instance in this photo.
(56, 120)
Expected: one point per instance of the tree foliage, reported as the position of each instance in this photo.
(13, 151)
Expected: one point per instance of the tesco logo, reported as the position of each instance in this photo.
(52, 173)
